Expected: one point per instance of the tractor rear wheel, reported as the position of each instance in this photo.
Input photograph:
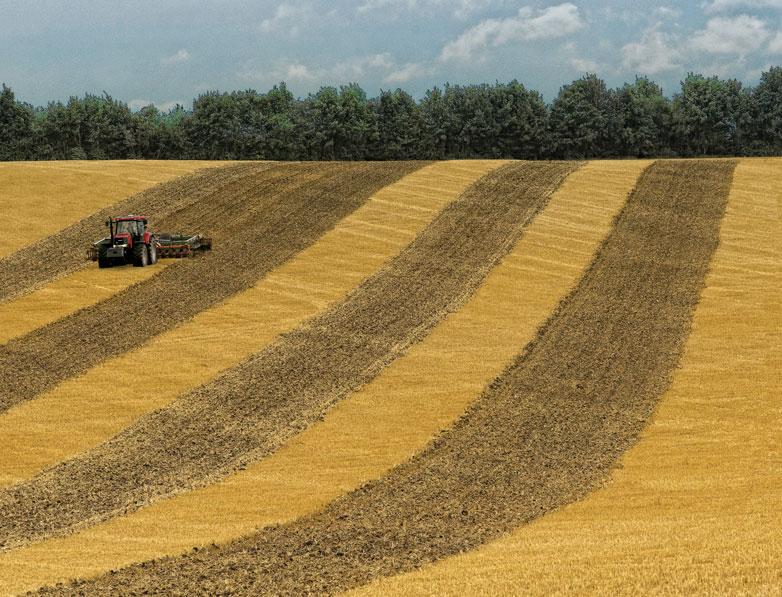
(140, 255)
(152, 253)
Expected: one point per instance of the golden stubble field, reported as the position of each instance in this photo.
(40, 198)
(693, 506)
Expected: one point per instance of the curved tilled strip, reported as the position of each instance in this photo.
(696, 508)
(64, 252)
(84, 411)
(543, 434)
(413, 398)
(259, 221)
(67, 295)
(251, 410)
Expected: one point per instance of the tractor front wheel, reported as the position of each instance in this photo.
(103, 261)
(140, 255)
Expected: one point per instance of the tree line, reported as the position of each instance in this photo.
(706, 116)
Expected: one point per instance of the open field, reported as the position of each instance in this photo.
(381, 367)
(696, 504)
(40, 198)
(236, 328)
(248, 247)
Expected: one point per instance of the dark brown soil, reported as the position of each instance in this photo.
(249, 411)
(65, 252)
(258, 220)
(544, 434)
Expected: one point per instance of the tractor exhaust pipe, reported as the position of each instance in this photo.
(110, 224)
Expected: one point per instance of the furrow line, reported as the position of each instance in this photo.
(299, 203)
(383, 424)
(696, 507)
(84, 411)
(252, 409)
(545, 433)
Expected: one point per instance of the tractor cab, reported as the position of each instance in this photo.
(127, 230)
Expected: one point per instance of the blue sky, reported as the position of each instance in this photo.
(167, 51)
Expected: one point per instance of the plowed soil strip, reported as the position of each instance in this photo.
(697, 506)
(252, 409)
(64, 252)
(542, 435)
(84, 411)
(260, 221)
(40, 198)
(67, 295)
(381, 425)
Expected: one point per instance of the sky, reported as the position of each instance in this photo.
(169, 51)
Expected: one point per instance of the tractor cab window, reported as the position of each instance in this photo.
(132, 227)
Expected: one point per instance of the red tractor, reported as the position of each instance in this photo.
(131, 241)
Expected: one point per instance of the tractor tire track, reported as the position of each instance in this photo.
(544, 434)
(64, 252)
(249, 411)
(258, 221)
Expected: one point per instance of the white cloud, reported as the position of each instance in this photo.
(726, 5)
(667, 12)
(462, 9)
(737, 35)
(355, 68)
(379, 66)
(584, 65)
(528, 25)
(296, 72)
(775, 45)
(407, 72)
(578, 61)
(655, 53)
(136, 104)
(178, 58)
(288, 19)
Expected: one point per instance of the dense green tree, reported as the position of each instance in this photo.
(520, 120)
(708, 116)
(711, 116)
(107, 128)
(641, 120)
(173, 140)
(214, 130)
(60, 131)
(95, 127)
(486, 121)
(243, 125)
(280, 139)
(434, 125)
(472, 123)
(579, 120)
(337, 124)
(768, 101)
(16, 127)
(398, 123)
